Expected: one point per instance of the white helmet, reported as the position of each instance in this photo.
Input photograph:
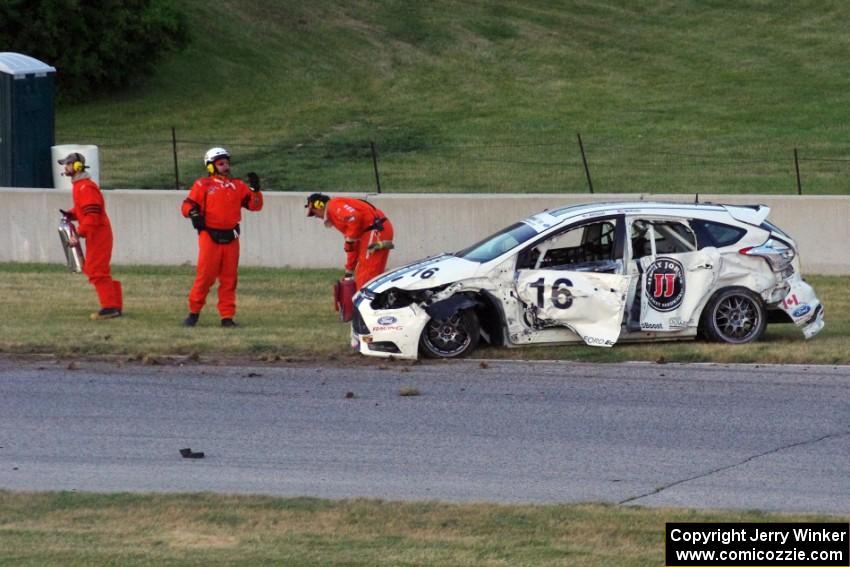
(214, 154)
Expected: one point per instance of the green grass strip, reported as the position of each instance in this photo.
(289, 313)
(84, 529)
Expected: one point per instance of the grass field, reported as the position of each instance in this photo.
(488, 96)
(288, 313)
(282, 312)
(73, 529)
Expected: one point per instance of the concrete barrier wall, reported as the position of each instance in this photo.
(149, 229)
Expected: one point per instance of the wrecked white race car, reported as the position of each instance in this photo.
(598, 274)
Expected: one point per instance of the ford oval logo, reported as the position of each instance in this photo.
(387, 320)
(801, 310)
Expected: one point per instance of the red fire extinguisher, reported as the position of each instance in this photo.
(343, 299)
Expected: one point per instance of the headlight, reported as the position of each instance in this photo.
(777, 253)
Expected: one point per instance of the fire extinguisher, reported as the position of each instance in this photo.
(344, 299)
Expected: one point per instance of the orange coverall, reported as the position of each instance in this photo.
(355, 219)
(94, 226)
(220, 200)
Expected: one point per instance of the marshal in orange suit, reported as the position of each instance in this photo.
(214, 205)
(367, 231)
(90, 211)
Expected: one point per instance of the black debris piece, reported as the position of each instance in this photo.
(188, 453)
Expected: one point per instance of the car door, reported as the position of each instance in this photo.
(672, 277)
(575, 279)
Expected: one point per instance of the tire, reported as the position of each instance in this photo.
(450, 338)
(735, 316)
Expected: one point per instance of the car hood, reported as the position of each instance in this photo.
(424, 274)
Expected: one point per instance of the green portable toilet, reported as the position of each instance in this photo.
(26, 121)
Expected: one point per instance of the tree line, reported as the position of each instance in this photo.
(95, 45)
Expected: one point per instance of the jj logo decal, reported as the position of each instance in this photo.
(665, 284)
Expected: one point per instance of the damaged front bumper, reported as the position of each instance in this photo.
(387, 332)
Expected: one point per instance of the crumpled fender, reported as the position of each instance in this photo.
(449, 306)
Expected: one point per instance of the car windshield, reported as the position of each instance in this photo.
(497, 244)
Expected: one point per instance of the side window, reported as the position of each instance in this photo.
(670, 237)
(716, 234)
(674, 238)
(584, 244)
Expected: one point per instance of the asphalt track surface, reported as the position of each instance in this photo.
(707, 436)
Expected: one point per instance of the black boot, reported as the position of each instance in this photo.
(106, 313)
(191, 320)
(228, 323)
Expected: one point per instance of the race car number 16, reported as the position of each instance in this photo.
(425, 272)
(560, 296)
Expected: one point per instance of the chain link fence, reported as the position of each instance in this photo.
(576, 164)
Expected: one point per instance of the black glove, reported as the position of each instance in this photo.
(66, 214)
(197, 218)
(254, 181)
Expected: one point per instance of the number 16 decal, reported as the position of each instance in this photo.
(561, 296)
(425, 272)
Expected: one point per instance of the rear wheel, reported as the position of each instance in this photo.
(735, 316)
(451, 337)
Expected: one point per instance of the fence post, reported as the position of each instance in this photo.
(584, 160)
(375, 165)
(174, 151)
(797, 167)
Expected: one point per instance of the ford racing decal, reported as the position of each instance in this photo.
(665, 284)
(385, 328)
(387, 320)
(801, 310)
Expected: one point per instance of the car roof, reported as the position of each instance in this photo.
(750, 214)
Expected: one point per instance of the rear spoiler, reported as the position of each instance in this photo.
(750, 214)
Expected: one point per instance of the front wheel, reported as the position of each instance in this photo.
(452, 337)
(735, 316)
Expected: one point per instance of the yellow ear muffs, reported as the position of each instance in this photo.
(78, 166)
(210, 168)
(318, 204)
